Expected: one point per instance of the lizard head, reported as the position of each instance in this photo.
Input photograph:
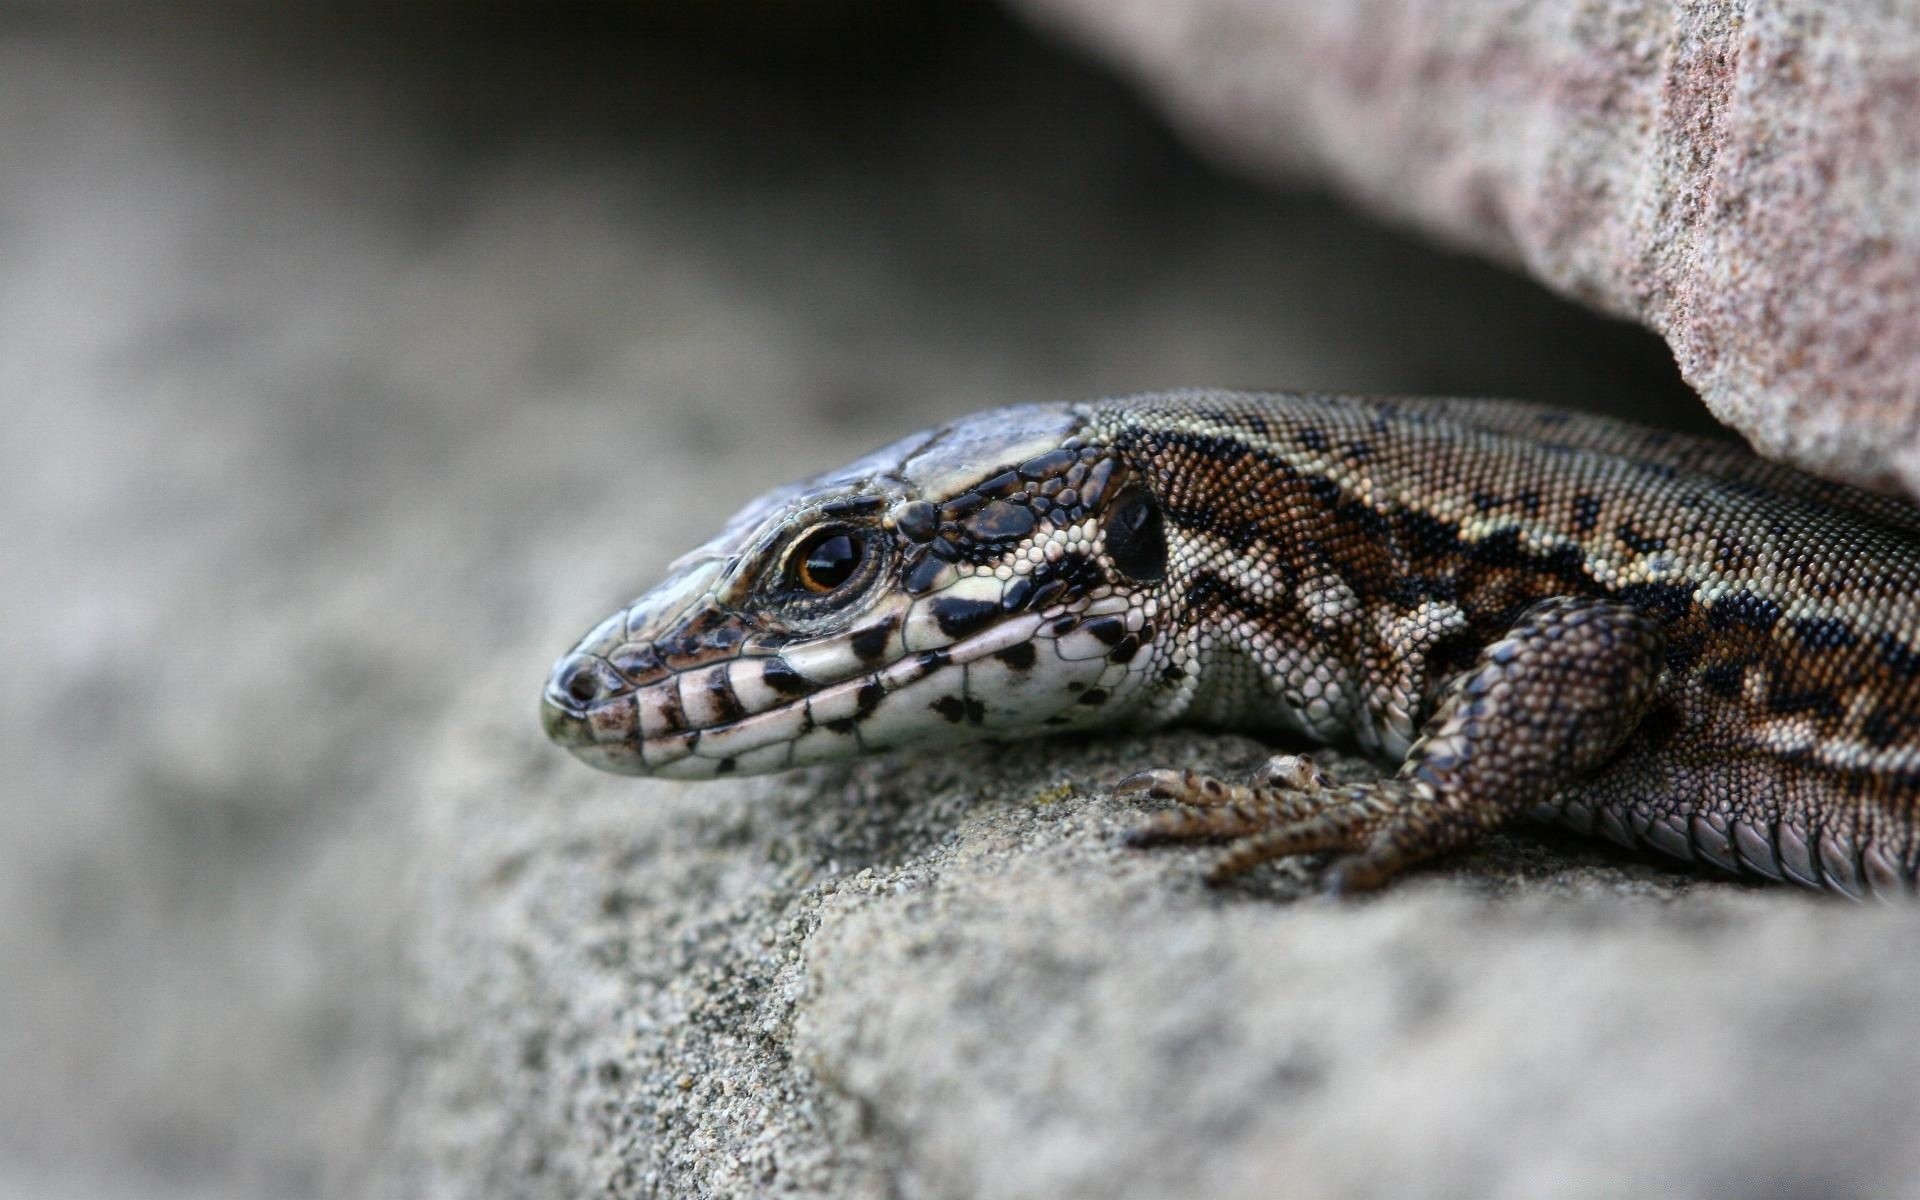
(997, 577)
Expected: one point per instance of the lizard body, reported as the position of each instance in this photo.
(1644, 635)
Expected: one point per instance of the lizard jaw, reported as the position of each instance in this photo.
(670, 727)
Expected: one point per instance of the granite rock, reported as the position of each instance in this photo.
(1742, 178)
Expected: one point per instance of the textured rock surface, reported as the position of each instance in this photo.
(331, 416)
(1741, 177)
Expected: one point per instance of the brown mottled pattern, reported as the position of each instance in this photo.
(1653, 637)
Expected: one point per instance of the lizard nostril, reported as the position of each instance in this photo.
(580, 680)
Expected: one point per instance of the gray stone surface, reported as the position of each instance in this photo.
(1742, 178)
(348, 376)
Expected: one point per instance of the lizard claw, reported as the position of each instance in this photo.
(1295, 772)
(1184, 787)
(1142, 782)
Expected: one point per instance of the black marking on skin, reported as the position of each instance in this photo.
(1020, 656)
(1053, 462)
(1368, 520)
(1199, 515)
(672, 716)
(1047, 594)
(1323, 489)
(1210, 594)
(1001, 521)
(1723, 680)
(1825, 633)
(1313, 439)
(1813, 700)
(1065, 625)
(871, 693)
(1885, 727)
(1485, 501)
(1667, 601)
(1124, 652)
(1502, 549)
(921, 577)
(842, 725)
(999, 485)
(720, 692)
(1097, 479)
(1424, 534)
(725, 766)
(958, 709)
(1743, 608)
(1529, 500)
(776, 674)
(1017, 594)
(1586, 513)
(957, 618)
(962, 505)
(1410, 589)
(946, 549)
(917, 520)
(870, 644)
(1636, 541)
(1109, 630)
(1684, 651)
(853, 506)
(930, 661)
(1659, 727)
(709, 629)
(1898, 656)
(1566, 563)
(1359, 452)
(1068, 576)
(638, 662)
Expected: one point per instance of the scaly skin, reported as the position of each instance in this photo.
(1652, 637)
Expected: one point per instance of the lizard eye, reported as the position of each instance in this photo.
(1137, 536)
(826, 559)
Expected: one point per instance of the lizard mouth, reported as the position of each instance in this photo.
(756, 714)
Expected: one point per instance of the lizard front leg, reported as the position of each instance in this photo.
(1548, 702)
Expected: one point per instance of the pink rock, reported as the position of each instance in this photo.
(1744, 179)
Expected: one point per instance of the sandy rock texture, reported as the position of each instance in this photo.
(350, 373)
(1740, 176)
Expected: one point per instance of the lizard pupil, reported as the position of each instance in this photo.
(828, 559)
(1137, 537)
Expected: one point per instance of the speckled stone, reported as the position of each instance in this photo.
(1743, 179)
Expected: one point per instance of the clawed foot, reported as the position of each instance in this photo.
(1291, 807)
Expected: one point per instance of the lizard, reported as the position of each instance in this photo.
(1657, 638)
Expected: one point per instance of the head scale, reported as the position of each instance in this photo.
(996, 577)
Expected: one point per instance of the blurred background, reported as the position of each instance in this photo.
(355, 358)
